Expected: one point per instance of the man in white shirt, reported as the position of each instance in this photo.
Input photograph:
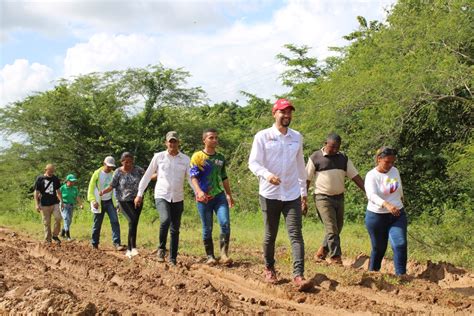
(277, 160)
(101, 179)
(171, 168)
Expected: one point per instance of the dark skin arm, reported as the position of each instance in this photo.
(359, 182)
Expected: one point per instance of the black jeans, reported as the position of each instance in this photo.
(170, 219)
(132, 214)
(291, 210)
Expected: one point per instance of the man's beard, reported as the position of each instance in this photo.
(285, 122)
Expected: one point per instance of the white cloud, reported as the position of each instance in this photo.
(81, 17)
(111, 52)
(239, 57)
(223, 58)
(22, 78)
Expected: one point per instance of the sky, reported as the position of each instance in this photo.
(227, 46)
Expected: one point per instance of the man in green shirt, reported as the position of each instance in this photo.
(70, 194)
(213, 195)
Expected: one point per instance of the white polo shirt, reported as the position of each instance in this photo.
(282, 155)
(171, 172)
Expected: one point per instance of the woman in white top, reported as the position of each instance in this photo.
(385, 217)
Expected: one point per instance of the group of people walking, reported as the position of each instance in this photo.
(276, 158)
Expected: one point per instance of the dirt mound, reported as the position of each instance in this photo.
(442, 271)
(76, 279)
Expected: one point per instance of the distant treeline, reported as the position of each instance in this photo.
(406, 82)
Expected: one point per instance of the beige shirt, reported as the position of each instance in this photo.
(329, 172)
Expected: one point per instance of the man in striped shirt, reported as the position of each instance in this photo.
(329, 167)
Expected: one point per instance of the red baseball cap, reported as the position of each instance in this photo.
(282, 104)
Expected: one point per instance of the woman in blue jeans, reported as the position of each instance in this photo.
(385, 218)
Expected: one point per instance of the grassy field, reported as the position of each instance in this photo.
(246, 236)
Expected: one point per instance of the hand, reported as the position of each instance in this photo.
(273, 179)
(81, 206)
(38, 208)
(202, 197)
(101, 193)
(138, 201)
(230, 200)
(95, 205)
(304, 205)
(391, 208)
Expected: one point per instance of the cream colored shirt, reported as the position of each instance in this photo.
(329, 172)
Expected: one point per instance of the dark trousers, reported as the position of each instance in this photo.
(385, 227)
(170, 219)
(291, 210)
(132, 214)
(109, 208)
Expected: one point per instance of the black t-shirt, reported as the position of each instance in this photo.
(48, 186)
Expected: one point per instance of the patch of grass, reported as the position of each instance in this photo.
(247, 232)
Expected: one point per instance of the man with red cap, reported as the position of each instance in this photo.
(277, 160)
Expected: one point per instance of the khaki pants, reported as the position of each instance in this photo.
(331, 213)
(46, 212)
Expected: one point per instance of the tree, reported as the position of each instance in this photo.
(407, 84)
(301, 68)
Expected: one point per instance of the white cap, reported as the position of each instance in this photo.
(109, 161)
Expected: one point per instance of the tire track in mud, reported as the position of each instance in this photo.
(74, 278)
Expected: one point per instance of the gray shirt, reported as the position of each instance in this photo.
(126, 184)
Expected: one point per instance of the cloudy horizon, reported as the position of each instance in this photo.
(227, 46)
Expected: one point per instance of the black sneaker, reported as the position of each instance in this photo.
(173, 262)
(95, 246)
(161, 255)
(57, 240)
(63, 233)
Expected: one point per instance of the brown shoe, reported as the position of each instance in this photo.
(301, 283)
(336, 260)
(270, 275)
(320, 254)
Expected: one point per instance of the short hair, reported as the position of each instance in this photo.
(126, 155)
(49, 166)
(208, 130)
(334, 137)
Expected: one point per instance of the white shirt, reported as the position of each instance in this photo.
(381, 187)
(282, 155)
(171, 172)
(104, 181)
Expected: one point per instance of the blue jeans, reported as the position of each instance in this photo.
(109, 208)
(385, 227)
(67, 213)
(219, 206)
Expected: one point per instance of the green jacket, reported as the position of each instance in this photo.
(93, 189)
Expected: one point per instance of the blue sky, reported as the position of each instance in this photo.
(227, 46)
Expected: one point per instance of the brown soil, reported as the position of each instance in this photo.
(75, 279)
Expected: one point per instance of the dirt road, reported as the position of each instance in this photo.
(75, 279)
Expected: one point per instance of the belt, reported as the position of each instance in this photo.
(336, 197)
